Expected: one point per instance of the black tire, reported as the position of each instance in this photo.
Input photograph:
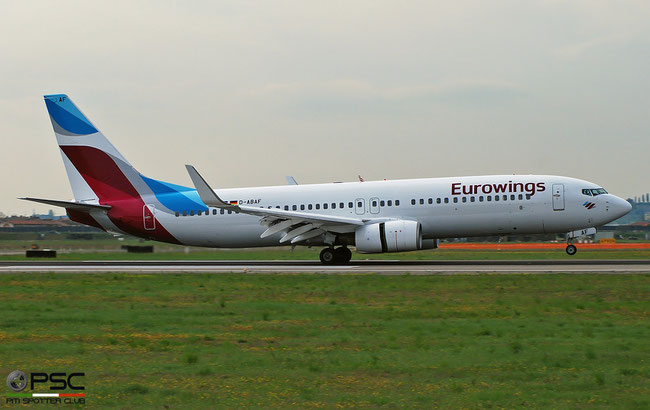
(571, 250)
(328, 256)
(343, 255)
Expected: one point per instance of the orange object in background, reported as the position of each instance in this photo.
(607, 240)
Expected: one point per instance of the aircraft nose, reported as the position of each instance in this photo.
(620, 206)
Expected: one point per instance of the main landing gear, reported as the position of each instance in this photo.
(331, 256)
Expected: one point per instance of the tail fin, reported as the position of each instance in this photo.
(100, 175)
(97, 171)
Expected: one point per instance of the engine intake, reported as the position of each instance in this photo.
(392, 236)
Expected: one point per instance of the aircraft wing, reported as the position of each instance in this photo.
(297, 226)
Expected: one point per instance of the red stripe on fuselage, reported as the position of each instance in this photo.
(113, 188)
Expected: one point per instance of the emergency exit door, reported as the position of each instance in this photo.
(558, 197)
(148, 212)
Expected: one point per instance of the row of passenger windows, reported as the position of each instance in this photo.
(302, 207)
(465, 199)
(373, 203)
(199, 213)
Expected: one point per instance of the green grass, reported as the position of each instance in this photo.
(303, 253)
(558, 341)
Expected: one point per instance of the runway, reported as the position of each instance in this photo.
(388, 267)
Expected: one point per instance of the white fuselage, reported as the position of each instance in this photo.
(445, 207)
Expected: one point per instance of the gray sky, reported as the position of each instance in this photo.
(251, 91)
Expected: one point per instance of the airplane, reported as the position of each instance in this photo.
(372, 216)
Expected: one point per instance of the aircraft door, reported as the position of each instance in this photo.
(148, 212)
(558, 197)
(360, 206)
(373, 204)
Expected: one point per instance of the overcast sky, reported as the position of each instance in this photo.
(251, 91)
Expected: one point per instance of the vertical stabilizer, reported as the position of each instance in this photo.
(96, 170)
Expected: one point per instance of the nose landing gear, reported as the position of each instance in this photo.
(331, 256)
(571, 249)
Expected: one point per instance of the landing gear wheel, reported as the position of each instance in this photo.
(343, 255)
(571, 249)
(327, 256)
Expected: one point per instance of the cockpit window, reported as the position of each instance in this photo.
(586, 192)
(598, 191)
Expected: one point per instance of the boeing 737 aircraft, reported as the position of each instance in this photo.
(372, 216)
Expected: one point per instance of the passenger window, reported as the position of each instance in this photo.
(309, 207)
(389, 202)
(421, 201)
(397, 202)
(324, 206)
(496, 197)
(199, 213)
(382, 203)
(446, 200)
(455, 199)
(341, 205)
(505, 197)
(302, 207)
(438, 200)
(184, 213)
(359, 204)
(489, 198)
(374, 203)
(191, 213)
(512, 197)
(472, 199)
(317, 206)
(277, 207)
(521, 196)
(229, 212)
(214, 212)
(430, 201)
(286, 207)
(350, 205)
(221, 211)
(294, 207)
(412, 201)
(528, 196)
(178, 214)
(480, 198)
(333, 205)
(464, 199)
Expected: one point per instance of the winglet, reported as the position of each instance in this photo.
(291, 180)
(207, 194)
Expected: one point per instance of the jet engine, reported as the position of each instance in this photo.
(392, 236)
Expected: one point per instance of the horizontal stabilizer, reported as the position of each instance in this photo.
(79, 206)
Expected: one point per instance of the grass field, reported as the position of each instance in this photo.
(487, 341)
(303, 253)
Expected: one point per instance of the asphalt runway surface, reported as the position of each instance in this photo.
(388, 267)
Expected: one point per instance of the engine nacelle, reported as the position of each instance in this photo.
(391, 236)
